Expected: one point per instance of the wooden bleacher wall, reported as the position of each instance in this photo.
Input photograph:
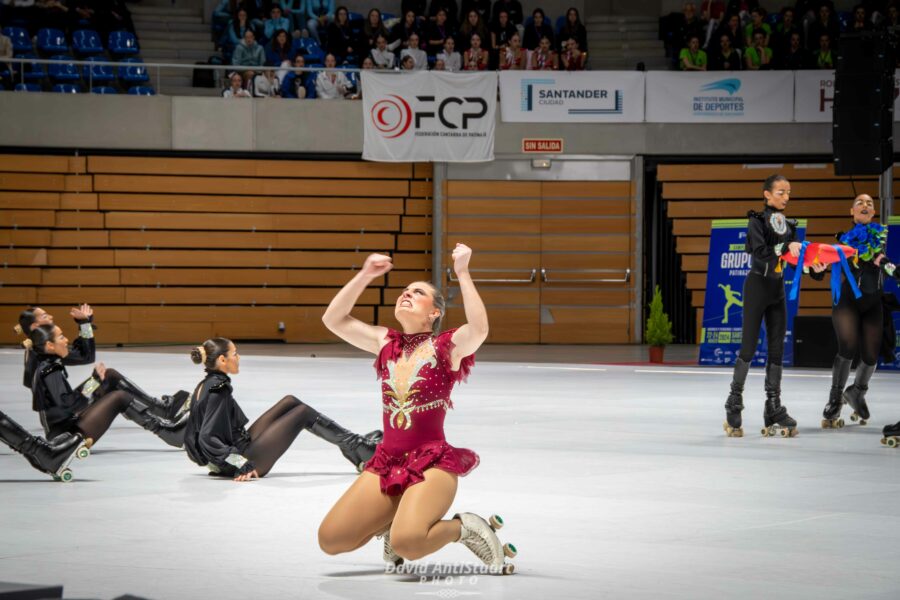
(177, 250)
(696, 194)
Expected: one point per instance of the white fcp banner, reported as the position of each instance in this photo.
(429, 116)
(720, 97)
(572, 97)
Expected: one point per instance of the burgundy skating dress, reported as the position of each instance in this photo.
(416, 379)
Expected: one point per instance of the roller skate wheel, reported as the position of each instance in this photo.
(510, 550)
(496, 522)
(826, 424)
(854, 417)
(509, 569)
(891, 442)
(65, 476)
(83, 452)
(765, 432)
(784, 432)
(862, 421)
(840, 423)
(89, 442)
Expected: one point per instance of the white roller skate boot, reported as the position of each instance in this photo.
(480, 537)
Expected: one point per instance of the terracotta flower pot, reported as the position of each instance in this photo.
(656, 354)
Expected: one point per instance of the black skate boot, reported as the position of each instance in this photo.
(831, 416)
(855, 395)
(171, 432)
(891, 435)
(51, 457)
(735, 402)
(167, 407)
(776, 417)
(356, 448)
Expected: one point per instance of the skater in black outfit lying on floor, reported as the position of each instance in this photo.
(770, 235)
(83, 352)
(64, 410)
(858, 322)
(216, 435)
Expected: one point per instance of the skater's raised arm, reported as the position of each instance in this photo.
(337, 316)
(83, 350)
(469, 337)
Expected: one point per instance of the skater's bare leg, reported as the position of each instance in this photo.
(418, 529)
(361, 513)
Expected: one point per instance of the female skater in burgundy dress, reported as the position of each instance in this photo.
(410, 483)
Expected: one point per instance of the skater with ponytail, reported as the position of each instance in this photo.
(410, 483)
(218, 439)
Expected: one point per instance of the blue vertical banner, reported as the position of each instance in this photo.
(723, 307)
(891, 287)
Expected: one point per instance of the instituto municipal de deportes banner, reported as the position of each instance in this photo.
(723, 307)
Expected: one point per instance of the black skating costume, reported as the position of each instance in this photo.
(858, 321)
(218, 439)
(48, 456)
(83, 351)
(64, 410)
(768, 235)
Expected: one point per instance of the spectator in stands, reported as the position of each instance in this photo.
(573, 59)
(280, 49)
(291, 10)
(573, 28)
(293, 85)
(823, 57)
(473, 23)
(689, 25)
(482, 7)
(544, 58)
(258, 10)
(796, 57)
(825, 24)
(692, 58)
(757, 56)
(420, 58)
(53, 13)
(475, 58)
(452, 59)
(513, 10)
(237, 28)
(248, 53)
(408, 63)
(727, 57)
(332, 85)
(861, 19)
(513, 58)
(408, 25)
(892, 16)
(317, 14)
(84, 14)
(416, 6)
(538, 28)
(115, 16)
(266, 85)
(439, 64)
(781, 37)
(501, 31)
(276, 21)
(732, 27)
(451, 12)
(341, 42)
(382, 58)
(236, 89)
(6, 52)
(438, 31)
(757, 23)
(711, 12)
(373, 28)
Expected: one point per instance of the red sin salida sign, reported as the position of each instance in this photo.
(542, 146)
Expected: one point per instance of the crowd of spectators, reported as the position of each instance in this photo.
(743, 35)
(475, 35)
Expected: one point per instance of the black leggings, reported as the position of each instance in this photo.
(95, 420)
(854, 319)
(274, 432)
(764, 298)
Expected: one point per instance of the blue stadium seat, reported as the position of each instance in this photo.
(141, 90)
(27, 87)
(133, 71)
(21, 41)
(66, 88)
(98, 73)
(104, 89)
(845, 18)
(32, 71)
(310, 86)
(52, 41)
(63, 71)
(386, 16)
(357, 21)
(87, 42)
(560, 23)
(311, 51)
(122, 43)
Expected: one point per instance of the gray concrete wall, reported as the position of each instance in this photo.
(215, 124)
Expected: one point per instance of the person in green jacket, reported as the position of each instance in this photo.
(692, 58)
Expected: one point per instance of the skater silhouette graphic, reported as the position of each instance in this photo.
(733, 299)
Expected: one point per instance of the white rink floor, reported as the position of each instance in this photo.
(614, 482)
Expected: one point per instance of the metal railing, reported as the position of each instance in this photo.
(150, 67)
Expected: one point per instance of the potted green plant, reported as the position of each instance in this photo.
(659, 328)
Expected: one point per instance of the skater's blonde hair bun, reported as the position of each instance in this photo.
(198, 355)
(18, 329)
(208, 352)
(27, 344)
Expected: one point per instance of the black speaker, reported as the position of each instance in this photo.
(815, 344)
(866, 51)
